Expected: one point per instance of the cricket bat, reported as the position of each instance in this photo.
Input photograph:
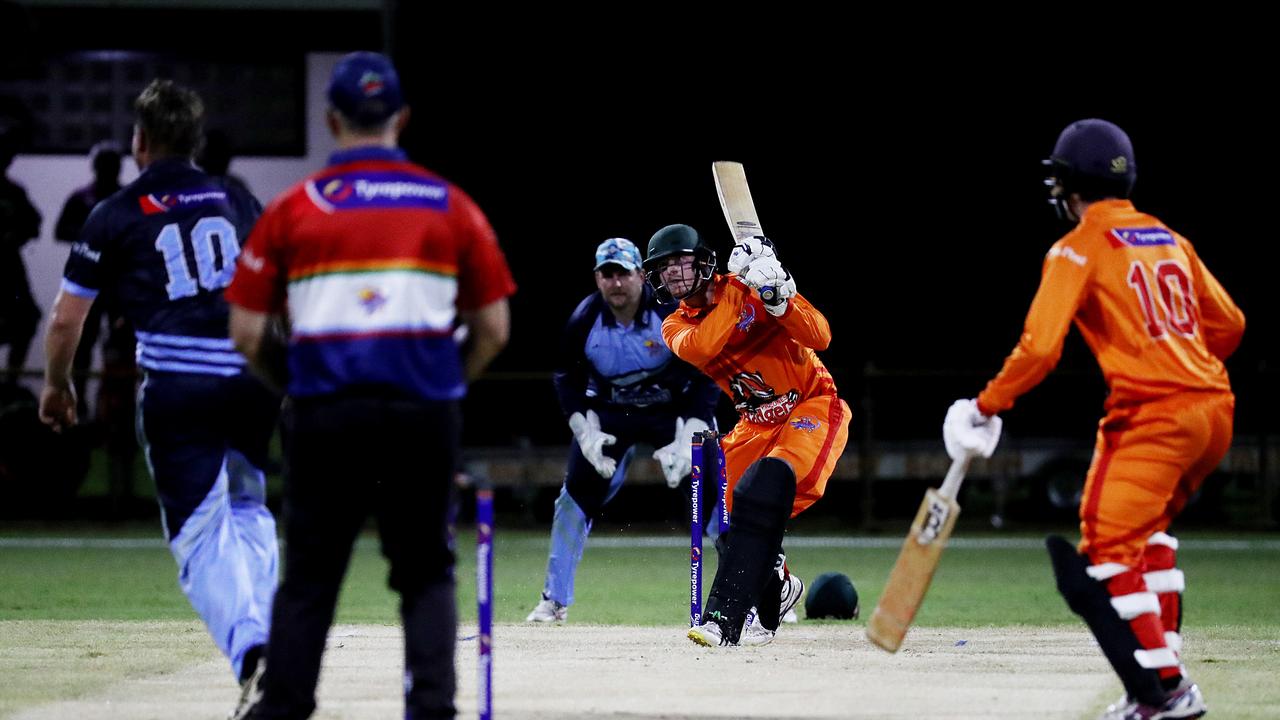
(735, 199)
(909, 580)
(739, 209)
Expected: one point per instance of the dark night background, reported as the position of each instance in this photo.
(898, 171)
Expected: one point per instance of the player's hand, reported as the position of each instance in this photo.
(58, 406)
(748, 251)
(774, 282)
(676, 458)
(592, 440)
(967, 432)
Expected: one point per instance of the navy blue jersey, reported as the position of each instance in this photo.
(605, 366)
(164, 247)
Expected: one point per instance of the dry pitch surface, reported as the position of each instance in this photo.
(580, 671)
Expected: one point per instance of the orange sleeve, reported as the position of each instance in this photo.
(1220, 319)
(698, 343)
(1062, 285)
(805, 324)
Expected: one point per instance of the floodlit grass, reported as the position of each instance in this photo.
(634, 585)
(125, 601)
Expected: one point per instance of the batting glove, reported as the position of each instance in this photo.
(591, 441)
(748, 251)
(967, 432)
(775, 284)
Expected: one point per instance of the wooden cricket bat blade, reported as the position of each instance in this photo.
(909, 580)
(735, 199)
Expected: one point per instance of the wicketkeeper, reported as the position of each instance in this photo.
(618, 386)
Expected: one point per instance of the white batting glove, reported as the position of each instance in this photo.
(748, 251)
(591, 441)
(967, 432)
(775, 284)
(676, 458)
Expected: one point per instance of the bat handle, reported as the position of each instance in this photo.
(955, 474)
(768, 293)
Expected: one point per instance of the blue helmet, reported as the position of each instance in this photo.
(1093, 158)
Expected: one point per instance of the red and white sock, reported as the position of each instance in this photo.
(1165, 580)
(1140, 607)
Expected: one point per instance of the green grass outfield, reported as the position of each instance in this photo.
(634, 578)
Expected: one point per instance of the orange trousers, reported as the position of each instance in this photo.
(1149, 459)
(811, 441)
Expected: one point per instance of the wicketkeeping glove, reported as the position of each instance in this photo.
(591, 441)
(748, 251)
(966, 431)
(676, 458)
(775, 284)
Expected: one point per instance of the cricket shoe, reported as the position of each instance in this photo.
(548, 610)
(753, 633)
(1117, 708)
(710, 634)
(792, 591)
(250, 694)
(1183, 703)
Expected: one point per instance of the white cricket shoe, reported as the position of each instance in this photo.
(792, 591)
(548, 610)
(790, 616)
(1184, 702)
(753, 633)
(709, 634)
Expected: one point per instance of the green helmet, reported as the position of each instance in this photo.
(673, 241)
(832, 595)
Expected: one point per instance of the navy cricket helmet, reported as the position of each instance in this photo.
(1093, 158)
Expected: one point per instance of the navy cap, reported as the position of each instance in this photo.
(1096, 148)
(365, 88)
(618, 251)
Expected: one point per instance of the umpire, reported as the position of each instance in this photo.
(372, 260)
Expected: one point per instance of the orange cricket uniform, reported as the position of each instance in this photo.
(1160, 326)
(786, 399)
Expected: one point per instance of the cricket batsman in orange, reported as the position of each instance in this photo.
(792, 425)
(1160, 326)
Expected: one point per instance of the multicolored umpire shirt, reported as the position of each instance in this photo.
(372, 258)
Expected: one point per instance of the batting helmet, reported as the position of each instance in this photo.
(1093, 158)
(832, 596)
(673, 241)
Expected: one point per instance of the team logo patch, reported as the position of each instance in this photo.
(337, 190)
(758, 402)
(354, 191)
(746, 318)
(371, 83)
(154, 204)
(371, 299)
(1142, 237)
(653, 348)
(806, 423)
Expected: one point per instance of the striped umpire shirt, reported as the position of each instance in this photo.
(372, 258)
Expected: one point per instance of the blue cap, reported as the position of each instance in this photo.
(365, 88)
(618, 251)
